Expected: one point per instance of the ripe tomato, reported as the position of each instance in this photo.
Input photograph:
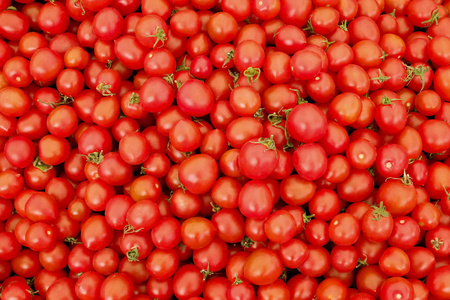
(377, 223)
(263, 266)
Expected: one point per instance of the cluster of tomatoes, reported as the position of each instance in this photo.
(225, 149)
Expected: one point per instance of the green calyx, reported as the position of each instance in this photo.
(269, 143)
(104, 89)
(379, 212)
(381, 78)
(37, 163)
(247, 242)
(307, 218)
(160, 36)
(237, 280)
(252, 74)
(215, 207)
(230, 56)
(133, 254)
(95, 157)
(434, 18)
(72, 241)
(417, 71)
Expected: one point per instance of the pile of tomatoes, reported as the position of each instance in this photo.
(225, 149)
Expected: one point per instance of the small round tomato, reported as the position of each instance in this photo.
(344, 229)
(262, 267)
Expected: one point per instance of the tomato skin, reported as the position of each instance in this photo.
(291, 186)
(189, 96)
(255, 161)
(436, 282)
(435, 240)
(280, 227)
(93, 238)
(357, 186)
(392, 160)
(188, 282)
(345, 108)
(370, 32)
(376, 227)
(396, 286)
(117, 286)
(306, 123)
(263, 266)
(15, 102)
(353, 78)
(255, 207)
(331, 287)
(198, 173)
(399, 198)
(344, 229)
(317, 263)
(305, 64)
(19, 21)
(438, 176)
(10, 246)
(422, 262)
(394, 262)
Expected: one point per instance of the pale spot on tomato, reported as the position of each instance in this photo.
(389, 165)
(336, 222)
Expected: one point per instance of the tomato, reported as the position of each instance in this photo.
(105, 261)
(309, 129)
(280, 226)
(352, 78)
(435, 240)
(197, 232)
(345, 108)
(10, 246)
(136, 245)
(14, 24)
(357, 33)
(438, 175)
(198, 173)
(422, 262)
(88, 285)
(93, 238)
(398, 196)
(255, 207)
(396, 287)
(16, 290)
(377, 223)
(263, 266)
(276, 290)
(15, 102)
(317, 263)
(117, 286)
(391, 160)
(344, 229)
(331, 287)
(436, 282)
(26, 263)
(394, 262)
(188, 282)
(356, 187)
(306, 64)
